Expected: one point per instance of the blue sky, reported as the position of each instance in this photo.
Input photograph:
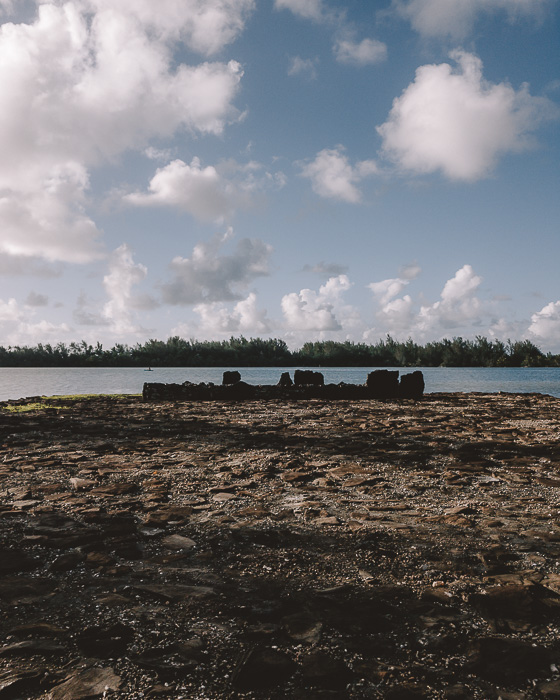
(301, 169)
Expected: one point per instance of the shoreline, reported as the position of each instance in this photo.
(281, 549)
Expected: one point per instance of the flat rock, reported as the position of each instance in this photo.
(178, 542)
(87, 684)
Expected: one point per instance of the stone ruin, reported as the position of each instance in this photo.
(307, 384)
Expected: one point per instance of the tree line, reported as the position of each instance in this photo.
(272, 352)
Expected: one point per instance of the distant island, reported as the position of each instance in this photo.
(272, 352)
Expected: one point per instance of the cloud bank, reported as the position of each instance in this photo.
(86, 81)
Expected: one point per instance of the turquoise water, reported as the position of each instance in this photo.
(18, 382)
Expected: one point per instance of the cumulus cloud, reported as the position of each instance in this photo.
(205, 26)
(455, 121)
(458, 307)
(545, 324)
(305, 67)
(385, 290)
(86, 80)
(395, 314)
(118, 313)
(308, 9)
(505, 329)
(216, 320)
(458, 303)
(9, 310)
(210, 276)
(49, 221)
(210, 193)
(192, 188)
(309, 310)
(334, 177)
(360, 53)
(455, 18)
(124, 274)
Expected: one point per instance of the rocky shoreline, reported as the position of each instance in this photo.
(280, 548)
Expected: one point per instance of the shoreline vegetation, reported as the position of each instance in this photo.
(273, 352)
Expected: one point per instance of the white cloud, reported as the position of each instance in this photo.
(215, 320)
(362, 53)
(9, 310)
(395, 315)
(307, 9)
(505, 329)
(118, 313)
(251, 318)
(210, 193)
(458, 305)
(192, 188)
(124, 274)
(83, 82)
(207, 276)
(455, 18)
(545, 324)
(334, 177)
(459, 308)
(305, 67)
(206, 26)
(49, 221)
(457, 122)
(28, 331)
(60, 74)
(315, 311)
(398, 315)
(385, 290)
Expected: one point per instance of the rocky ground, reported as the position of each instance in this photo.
(280, 549)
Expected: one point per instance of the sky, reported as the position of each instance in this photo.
(297, 169)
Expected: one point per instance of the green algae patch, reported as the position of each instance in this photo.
(82, 397)
(59, 403)
(28, 407)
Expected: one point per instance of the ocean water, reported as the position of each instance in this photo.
(16, 382)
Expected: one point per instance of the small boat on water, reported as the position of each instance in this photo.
(149, 370)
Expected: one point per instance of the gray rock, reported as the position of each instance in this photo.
(86, 684)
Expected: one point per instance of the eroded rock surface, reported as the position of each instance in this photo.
(281, 549)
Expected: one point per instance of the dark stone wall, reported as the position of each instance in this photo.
(380, 384)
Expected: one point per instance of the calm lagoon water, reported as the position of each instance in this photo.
(18, 382)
